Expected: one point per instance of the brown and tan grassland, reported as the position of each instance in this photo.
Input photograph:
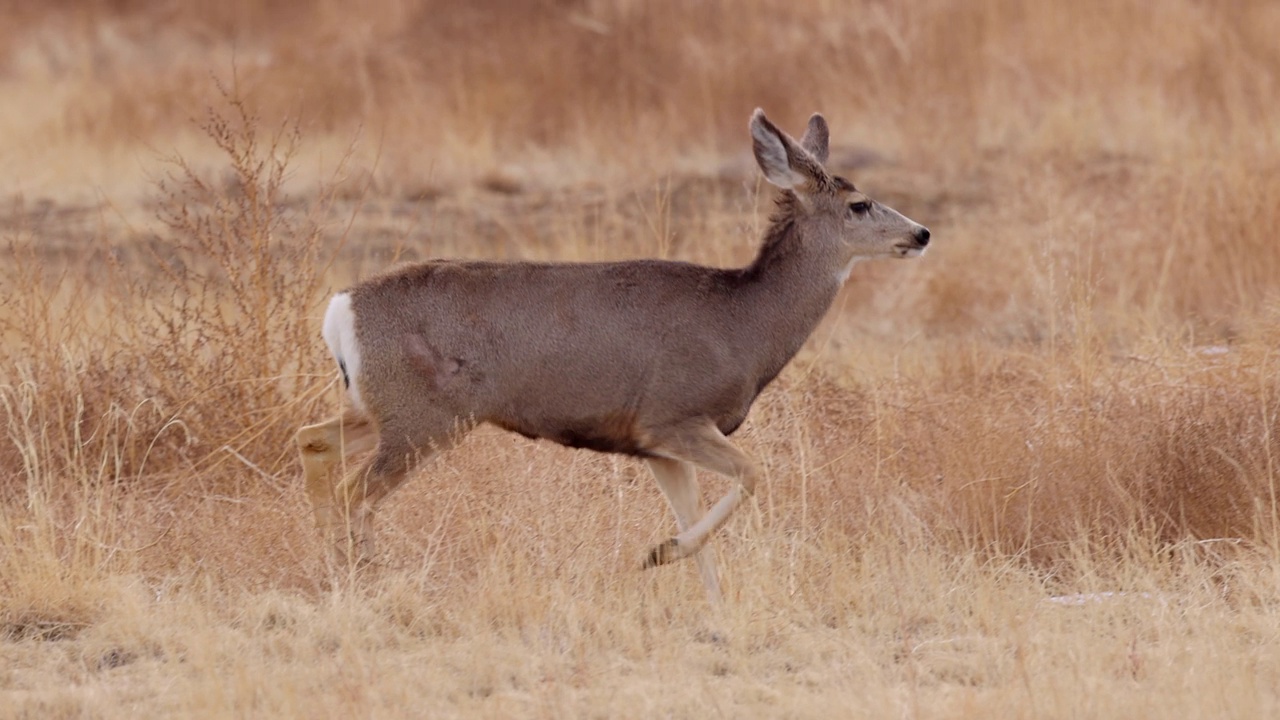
(1033, 474)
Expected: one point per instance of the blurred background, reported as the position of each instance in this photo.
(445, 88)
(1074, 394)
(1102, 179)
(1143, 133)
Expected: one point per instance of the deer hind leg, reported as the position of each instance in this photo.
(362, 489)
(703, 444)
(680, 484)
(323, 445)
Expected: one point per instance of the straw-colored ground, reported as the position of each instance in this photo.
(1033, 474)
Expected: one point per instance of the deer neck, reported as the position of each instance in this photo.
(787, 291)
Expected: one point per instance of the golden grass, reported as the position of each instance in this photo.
(1033, 474)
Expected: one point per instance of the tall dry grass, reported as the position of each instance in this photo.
(1033, 474)
(453, 88)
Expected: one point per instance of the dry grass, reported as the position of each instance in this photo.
(1032, 475)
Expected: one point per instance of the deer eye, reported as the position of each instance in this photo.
(859, 208)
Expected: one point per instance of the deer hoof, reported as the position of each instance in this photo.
(667, 552)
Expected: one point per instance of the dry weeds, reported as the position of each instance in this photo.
(1032, 475)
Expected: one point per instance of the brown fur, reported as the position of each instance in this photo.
(651, 358)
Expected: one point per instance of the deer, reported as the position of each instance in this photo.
(656, 359)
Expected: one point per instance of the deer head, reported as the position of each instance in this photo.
(843, 223)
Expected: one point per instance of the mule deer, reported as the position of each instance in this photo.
(656, 359)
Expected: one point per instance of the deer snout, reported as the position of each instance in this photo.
(922, 236)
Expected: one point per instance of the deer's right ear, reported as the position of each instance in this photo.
(772, 153)
(817, 138)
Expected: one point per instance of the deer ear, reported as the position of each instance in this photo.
(770, 147)
(817, 138)
(784, 162)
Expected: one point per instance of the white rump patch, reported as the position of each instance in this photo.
(340, 334)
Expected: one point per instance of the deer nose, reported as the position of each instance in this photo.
(922, 236)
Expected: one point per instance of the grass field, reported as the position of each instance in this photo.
(1033, 474)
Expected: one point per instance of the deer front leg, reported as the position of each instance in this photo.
(705, 446)
(680, 485)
